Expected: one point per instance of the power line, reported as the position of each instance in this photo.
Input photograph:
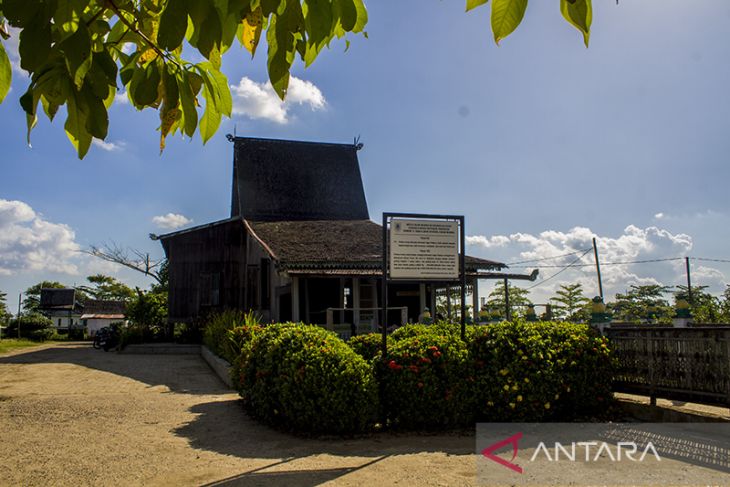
(708, 259)
(606, 263)
(561, 270)
(547, 258)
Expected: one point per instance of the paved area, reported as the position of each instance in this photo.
(72, 415)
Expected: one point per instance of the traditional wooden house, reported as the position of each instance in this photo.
(62, 306)
(299, 244)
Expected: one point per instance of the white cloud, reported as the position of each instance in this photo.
(109, 146)
(659, 216)
(632, 244)
(30, 243)
(260, 101)
(11, 47)
(171, 221)
(482, 241)
(121, 98)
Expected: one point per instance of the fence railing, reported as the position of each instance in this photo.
(688, 364)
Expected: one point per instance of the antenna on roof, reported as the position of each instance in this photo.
(358, 145)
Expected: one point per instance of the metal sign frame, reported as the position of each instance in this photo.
(387, 217)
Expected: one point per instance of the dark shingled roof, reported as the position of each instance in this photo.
(52, 298)
(351, 244)
(284, 180)
(104, 307)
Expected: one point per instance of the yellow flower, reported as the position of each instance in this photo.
(568, 389)
(504, 372)
(527, 381)
(490, 403)
(519, 352)
(512, 405)
(506, 387)
(547, 405)
(515, 387)
(519, 398)
(557, 396)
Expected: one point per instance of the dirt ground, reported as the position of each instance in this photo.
(72, 415)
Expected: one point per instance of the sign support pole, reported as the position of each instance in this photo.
(462, 268)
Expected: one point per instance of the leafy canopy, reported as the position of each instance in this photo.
(78, 52)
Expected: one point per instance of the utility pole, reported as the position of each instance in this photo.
(689, 281)
(20, 301)
(598, 268)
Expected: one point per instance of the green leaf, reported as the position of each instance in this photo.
(97, 118)
(144, 87)
(187, 101)
(282, 45)
(470, 4)
(75, 125)
(506, 16)
(173, 24)
(6, 73)
(347, 13)
(35, 44)
(211, 116)
(362, 16)
(67, 16)
(210, 33)
(77, 52)
(223, 98)
(579, 13)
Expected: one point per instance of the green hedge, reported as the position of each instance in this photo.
(305, 379)
(33, 326)
(226, 332)
(539, 371)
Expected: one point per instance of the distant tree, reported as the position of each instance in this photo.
(570, 304)
(131, 259)
(148, 310)
(518, 299)
(107, 287)
(705, 307)
(4, 311)
(642, 303)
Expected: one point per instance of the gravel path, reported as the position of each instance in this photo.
(71, 415)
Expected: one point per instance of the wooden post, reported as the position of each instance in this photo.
(475, 299)
(422, 296)
(20, 302)
(295, 299)
(307, 317)
(448, 302)
(342, 300)
(356, 301)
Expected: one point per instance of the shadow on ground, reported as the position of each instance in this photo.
(187, 374)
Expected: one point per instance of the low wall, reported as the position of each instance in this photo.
(221, 367)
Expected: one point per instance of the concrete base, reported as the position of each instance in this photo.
(220, 366)
(667, 411)
(163, 348)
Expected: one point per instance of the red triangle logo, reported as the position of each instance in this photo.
(488, 452)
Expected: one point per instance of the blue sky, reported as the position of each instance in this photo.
(540, 143)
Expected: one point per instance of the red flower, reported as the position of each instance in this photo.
(433, 349)
(436, 354)
(394, 366)
(420, 385)
(425, 360)
(413, 368)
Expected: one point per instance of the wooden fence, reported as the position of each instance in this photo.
(688, 364)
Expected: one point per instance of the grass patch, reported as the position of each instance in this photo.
(8, 344)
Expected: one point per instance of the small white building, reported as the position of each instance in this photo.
(99, 313)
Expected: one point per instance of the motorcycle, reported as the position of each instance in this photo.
(107, 338)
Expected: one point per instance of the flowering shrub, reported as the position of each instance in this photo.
(368, 345)
(425, 379)
(538, 371)
(304, 378)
